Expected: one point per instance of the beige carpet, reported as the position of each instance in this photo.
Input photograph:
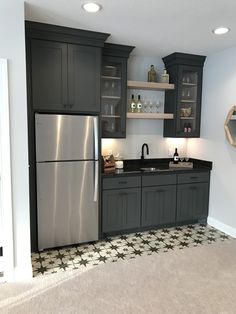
(196, 280)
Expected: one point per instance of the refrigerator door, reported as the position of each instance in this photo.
(67, 203)
(66, 137)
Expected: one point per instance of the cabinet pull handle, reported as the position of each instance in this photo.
(193, 177)
(160, 191)
(122, 182)
(123, 194)
(193, 188)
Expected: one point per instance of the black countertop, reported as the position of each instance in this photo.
(132, 167)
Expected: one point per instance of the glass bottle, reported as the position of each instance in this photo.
(176, 156)
(132, 105)
(165, 77)
(152, 74)
(139, 105)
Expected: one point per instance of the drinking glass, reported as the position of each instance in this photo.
(150, 107)
(186, 159)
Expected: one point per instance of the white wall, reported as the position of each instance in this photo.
(139, 131)
(12, 47)
(219, 94)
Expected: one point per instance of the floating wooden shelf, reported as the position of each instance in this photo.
(131, 115)
(149, 85)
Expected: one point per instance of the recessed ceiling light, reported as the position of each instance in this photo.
(91, 7)
(221, 30)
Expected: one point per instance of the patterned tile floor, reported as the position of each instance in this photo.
(124, 247)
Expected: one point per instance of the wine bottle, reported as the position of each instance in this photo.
(176, 156)
(132, 105)
(189, 128)
(139, 105)
(185, 127)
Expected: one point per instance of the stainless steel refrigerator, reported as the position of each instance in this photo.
(67, 179)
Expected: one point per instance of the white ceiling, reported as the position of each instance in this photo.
(155, 27)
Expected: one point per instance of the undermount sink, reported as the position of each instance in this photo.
(154, 169)
(149, 169)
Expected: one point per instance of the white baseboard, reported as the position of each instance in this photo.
(222, 227)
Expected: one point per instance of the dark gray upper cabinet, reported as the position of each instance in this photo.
(49, 75)
(184, 101)
(65, 76)
(84, 67)
(114, 90)
(63, 68)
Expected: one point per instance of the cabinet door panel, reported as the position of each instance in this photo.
(121, 209)
(132, 208)
(112, 210)
(84, 66)
(192, 201)
(158, 205)
(114, 97)
(49, 75)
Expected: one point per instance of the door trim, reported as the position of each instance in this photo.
(5, 179)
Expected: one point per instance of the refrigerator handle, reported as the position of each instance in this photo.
(95, 193)
(95, 133)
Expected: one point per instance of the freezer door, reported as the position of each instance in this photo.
(66, 137)
(67, 203)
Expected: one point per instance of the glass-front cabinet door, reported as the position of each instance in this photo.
(184, 101)
(113, 97)
(189, 102)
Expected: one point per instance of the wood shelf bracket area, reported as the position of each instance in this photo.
(149, 85)
(131, 115)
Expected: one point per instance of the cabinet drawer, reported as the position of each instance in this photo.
(121, 182)
(151, 180)
(194, 177)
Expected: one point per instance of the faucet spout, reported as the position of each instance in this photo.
(147, 150)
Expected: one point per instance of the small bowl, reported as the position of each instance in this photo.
(185, 112)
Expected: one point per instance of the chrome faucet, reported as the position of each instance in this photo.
(147, 149)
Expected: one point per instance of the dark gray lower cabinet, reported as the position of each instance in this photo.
(192, 201)
(158, 205)
(132, 202)
(121, 209)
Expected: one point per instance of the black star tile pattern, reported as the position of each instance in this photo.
(124, 247)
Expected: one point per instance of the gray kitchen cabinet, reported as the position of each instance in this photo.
(49, 74)
(121, 209)
(158, 199)
(184, 102)
(113, 90)
(65, 76)
(192, 201)
(152, 200)
(158, 205)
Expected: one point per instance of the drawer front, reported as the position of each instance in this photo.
(194, 177)
(151, 180)
(121, 182)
